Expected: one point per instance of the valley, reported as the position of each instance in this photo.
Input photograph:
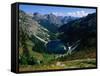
(49, 42)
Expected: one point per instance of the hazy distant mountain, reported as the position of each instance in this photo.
(67, 19)
(51, 21)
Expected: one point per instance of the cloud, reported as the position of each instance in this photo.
(59, 13)
(74, 14)
(77, 14)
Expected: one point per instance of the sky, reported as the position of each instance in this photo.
(58, 11)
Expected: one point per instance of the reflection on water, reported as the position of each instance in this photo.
(58, 47)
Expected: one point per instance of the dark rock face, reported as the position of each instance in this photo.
(56, 47)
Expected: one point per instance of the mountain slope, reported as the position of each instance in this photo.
(83, 29)
(32, 37)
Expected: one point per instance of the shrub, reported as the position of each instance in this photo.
(23, 60)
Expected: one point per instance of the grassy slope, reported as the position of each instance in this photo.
(80, 59)
(82, 63)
